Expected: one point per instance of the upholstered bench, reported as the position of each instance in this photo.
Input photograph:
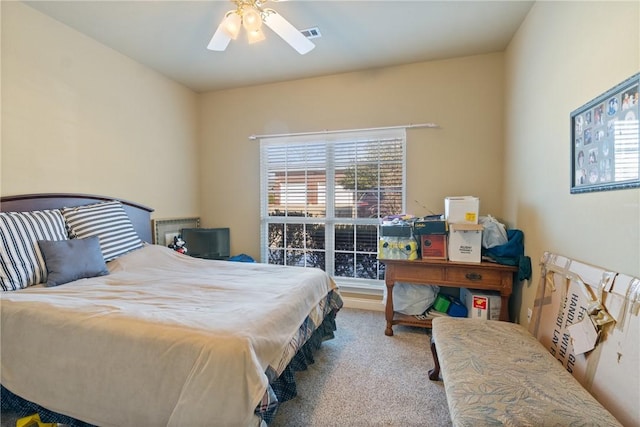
(497, 373)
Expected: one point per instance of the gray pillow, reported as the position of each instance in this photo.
(69, 260)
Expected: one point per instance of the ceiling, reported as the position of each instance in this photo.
(171, 36)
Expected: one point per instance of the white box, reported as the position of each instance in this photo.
(465, 242)
(461, 209)
(481, 304)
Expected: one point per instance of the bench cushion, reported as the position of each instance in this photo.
(497, 373)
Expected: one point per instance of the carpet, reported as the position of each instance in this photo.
(364, 378)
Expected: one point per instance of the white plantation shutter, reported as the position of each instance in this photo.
(322, 197)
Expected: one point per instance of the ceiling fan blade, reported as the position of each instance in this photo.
(288, 32)
(219, 41)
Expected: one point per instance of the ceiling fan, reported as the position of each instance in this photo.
(251, 14)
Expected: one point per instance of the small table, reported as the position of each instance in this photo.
(485, 275)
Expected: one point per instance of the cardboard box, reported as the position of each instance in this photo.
(430, 226)
(461, 209)
(611, 371)
(400, 230)
(481, 304)
(465, 242)
(433, 246)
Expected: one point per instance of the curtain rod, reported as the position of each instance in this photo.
(324, 132)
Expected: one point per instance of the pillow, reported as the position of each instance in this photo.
(109, 222)
(69, 260)
(21, 262)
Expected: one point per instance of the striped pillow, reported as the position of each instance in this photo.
(21, 262)
(109, 222)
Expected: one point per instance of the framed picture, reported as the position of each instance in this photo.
(605, 141)
(164, 230)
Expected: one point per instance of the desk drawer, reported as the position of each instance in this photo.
(474, 277)
(415, 272)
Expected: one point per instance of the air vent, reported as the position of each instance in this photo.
(311, 33)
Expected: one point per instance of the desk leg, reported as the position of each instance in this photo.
(504, 307)
(388, 310)
(434, 374)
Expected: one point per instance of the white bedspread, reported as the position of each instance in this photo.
(165, 339)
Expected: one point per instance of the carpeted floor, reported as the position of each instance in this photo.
(364, 378)
(8, 420)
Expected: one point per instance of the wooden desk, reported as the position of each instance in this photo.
(486, 275)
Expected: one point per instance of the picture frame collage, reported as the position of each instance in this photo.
(605, 140)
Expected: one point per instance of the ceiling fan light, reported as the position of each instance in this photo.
(251, 19)
(255, 36)
(231, 24)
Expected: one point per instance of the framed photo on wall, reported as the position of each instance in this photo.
(164, 230)
(605, 141)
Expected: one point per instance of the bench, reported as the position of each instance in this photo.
(497, 373)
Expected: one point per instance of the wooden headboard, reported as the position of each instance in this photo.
(140, 215)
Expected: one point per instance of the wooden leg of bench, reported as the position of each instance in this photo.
(434, 374)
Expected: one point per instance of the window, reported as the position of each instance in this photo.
(322, 197)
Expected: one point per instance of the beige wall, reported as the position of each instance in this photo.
(464, 96)
(564, 55)
(80, 117)
(76, 108)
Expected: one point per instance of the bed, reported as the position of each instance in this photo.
(107, 329)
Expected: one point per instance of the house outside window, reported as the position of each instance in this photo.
(322, 197)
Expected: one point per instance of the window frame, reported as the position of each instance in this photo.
(330, 140)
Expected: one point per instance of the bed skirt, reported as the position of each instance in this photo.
(281, 387)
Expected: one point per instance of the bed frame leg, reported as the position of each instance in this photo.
(434, 374)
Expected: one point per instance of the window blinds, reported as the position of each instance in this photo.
(322, 196)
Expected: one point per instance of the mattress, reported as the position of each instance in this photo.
(164, 339)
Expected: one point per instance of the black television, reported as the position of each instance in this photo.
(209, 243)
